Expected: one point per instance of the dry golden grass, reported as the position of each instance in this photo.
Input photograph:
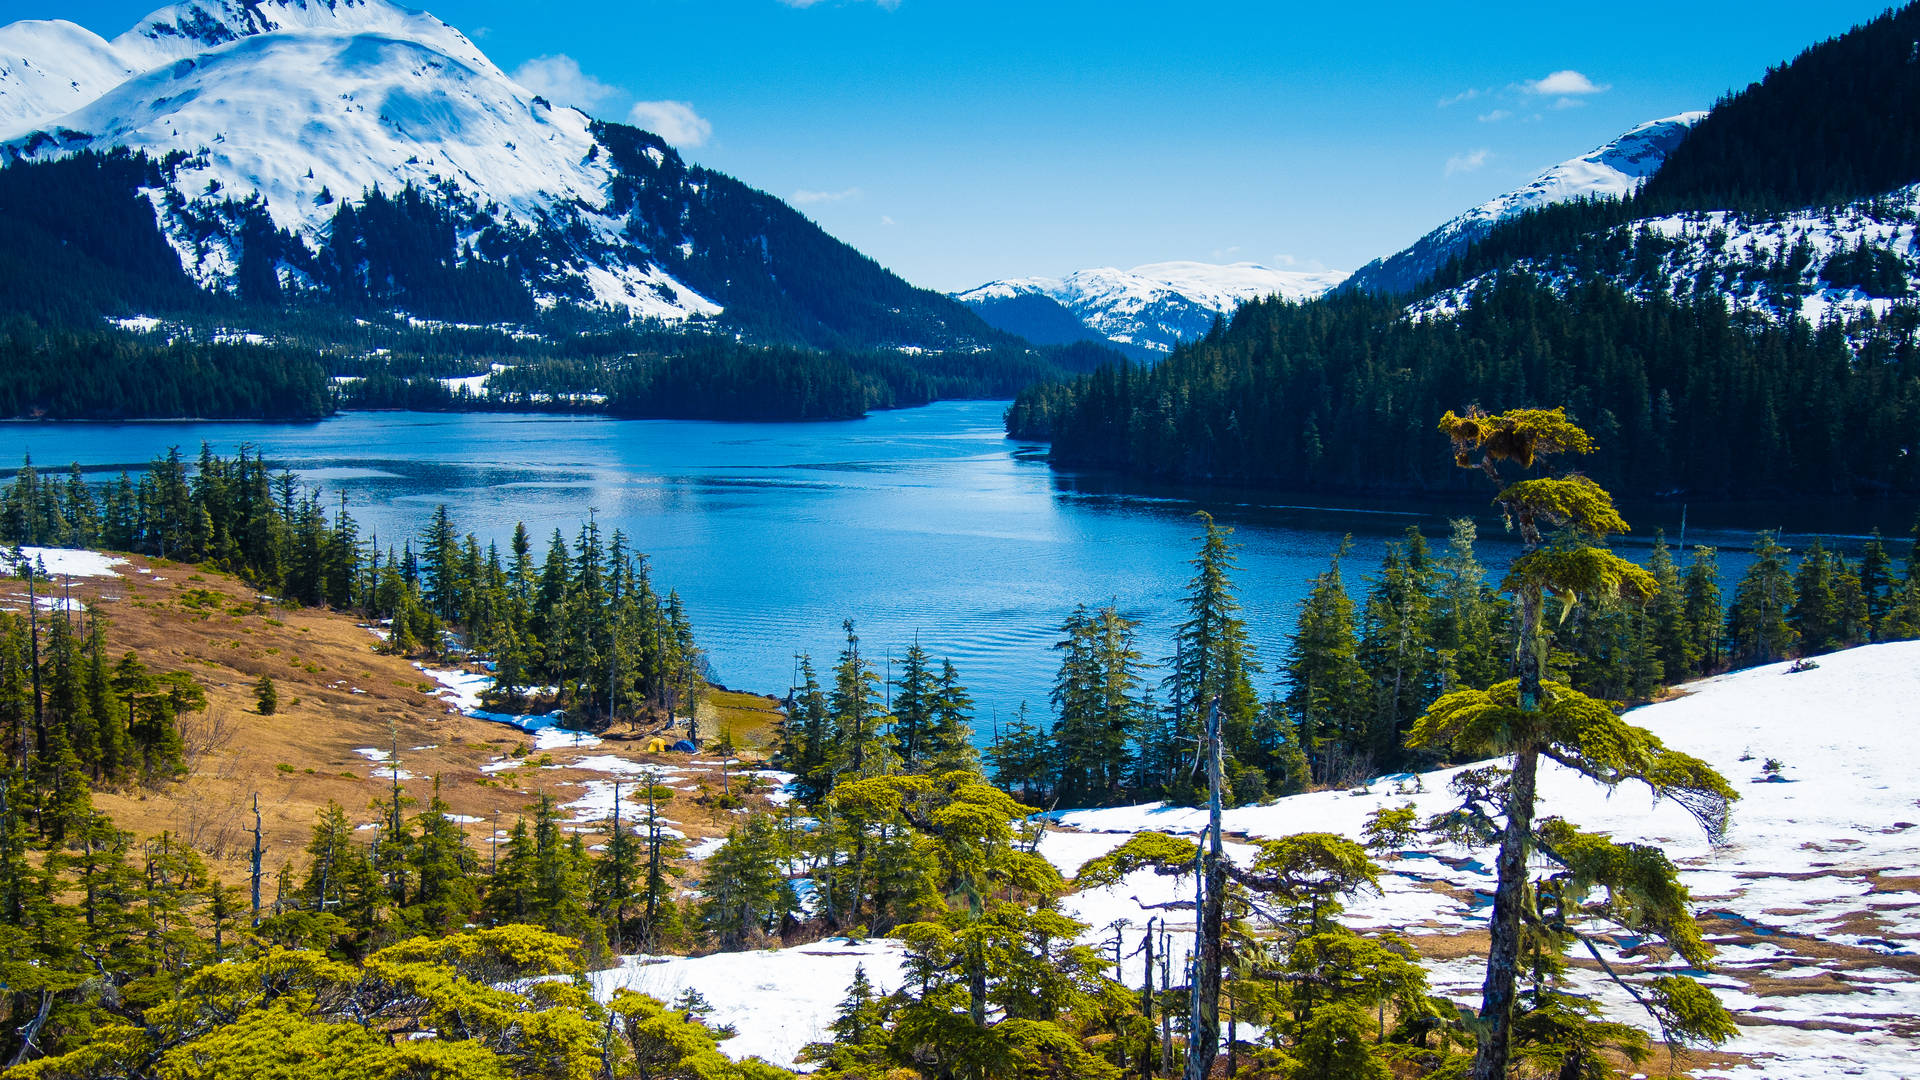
(337, 694)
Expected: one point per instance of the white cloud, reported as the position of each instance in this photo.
(1462, 96)
(885, 220)
(1471, 161)
(1494, 117)
(674, 121)
(1564, 84)
(559, 79)
(804, 197)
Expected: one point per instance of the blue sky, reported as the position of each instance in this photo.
(961, 142)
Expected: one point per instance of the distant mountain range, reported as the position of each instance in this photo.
(1147, 310)
(272, 124)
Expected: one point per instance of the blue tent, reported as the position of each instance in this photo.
(684, 747)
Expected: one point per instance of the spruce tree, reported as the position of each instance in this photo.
(1702, 612)
(1328, 691)
(1757, 628)
(1396, 647)
(1212, 657)
(950, 736)
(1467, 615)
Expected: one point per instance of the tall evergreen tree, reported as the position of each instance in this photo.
(1757, 628)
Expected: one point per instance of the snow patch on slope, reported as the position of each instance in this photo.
(1771, 264)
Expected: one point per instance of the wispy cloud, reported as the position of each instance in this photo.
(1564, 84)
(885, 220)
(674, 121)
(804, 197)
(1460, 98)
(1494, 117)
(1471, 161)
(559, 79)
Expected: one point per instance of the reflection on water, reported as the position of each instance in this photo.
(920, 523)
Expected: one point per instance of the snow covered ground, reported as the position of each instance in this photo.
(778, 999)
(1813, 901)
(69, 562)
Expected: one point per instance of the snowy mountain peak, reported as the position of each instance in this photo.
(295, 105)
(1612, 170)
(196, 26)
(1154, 307)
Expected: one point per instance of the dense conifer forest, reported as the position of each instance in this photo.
(1333, 395)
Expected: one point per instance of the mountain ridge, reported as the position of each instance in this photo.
(1150, 309)
(1612, 170)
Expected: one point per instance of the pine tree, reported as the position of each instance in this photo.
(950, 737)
(747, 893)
(1814, 614)
(1878, 587)
(1530, 717)
(1212, 658)
(1328, 690)
(860, 743)
(266, 696)
(1396, 648)
(913, 705)
(1668, 626)
(1703, 615)
(1467, 615)
(1757, 628)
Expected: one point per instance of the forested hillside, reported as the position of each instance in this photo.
(1338, 394)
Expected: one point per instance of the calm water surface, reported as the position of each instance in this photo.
(923, 522)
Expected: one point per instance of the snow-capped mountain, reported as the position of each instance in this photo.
(1610, 171)
(1155, 307)
(1848, 261)
(269, 116)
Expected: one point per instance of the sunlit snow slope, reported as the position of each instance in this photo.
(1610, 171)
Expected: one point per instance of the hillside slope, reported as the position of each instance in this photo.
(1611, 171)
(273, 123)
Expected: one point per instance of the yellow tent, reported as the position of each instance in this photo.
(656, 745)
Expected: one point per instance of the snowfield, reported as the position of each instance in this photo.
(779, 1000)
(1813, 901)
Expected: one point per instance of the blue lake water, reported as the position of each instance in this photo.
(922, 522)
